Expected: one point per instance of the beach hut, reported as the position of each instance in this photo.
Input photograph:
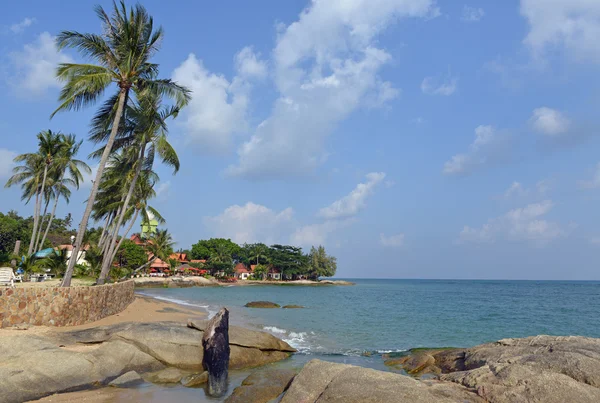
(241, 272)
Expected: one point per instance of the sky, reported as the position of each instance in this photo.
(411, 138)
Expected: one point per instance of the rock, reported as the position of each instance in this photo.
(262, 304)
(215, 342)
(337, 282)
(33, 366)
(262, 386)
(329, 382)
(126, 380)
(292, 307)
(548, 369)
(425, 361)
(168, 375)
(194, 380)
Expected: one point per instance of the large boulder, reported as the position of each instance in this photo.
(329, 382)
(35, 366)
(262, 386)
(127, 380)
(215, 343)
(262, 304)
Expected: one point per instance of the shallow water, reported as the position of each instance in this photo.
(356, 324)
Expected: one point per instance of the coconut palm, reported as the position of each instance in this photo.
(259, 251)
(68, 169)
(122, 55)
(33, 173)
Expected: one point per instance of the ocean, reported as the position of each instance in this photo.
(357, 324)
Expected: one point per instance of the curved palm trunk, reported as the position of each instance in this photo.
(30, 250)
(103, 235)
(49, 221)
(38, 207)
(41, 228)
(114, 248)
(90, 205)
(114, 255)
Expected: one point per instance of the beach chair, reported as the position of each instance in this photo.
(7, 277)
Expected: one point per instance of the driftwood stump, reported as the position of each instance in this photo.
(215, 343)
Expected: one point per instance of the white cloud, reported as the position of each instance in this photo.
(570, 24)
(218, 108)
(21, 26)
(516, 190)
(317, 234)
(6, 162)
(351, 204)
(549, 122)
(489, 145)
(591, 183)
(35, 66)
(163, 190)
(521, 224)
(326, 66)
(252, 223)
(472, 14)
(437, 86)
(393, 241)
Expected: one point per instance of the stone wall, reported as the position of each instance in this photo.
(57, 306)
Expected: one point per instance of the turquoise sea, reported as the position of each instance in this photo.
(342, 323)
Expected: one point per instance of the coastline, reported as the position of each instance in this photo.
(196, 281)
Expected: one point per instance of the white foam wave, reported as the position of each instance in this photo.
(177, 301)
(274, 329)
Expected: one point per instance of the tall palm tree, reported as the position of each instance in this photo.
(33, 173)
(122, 54)
(259, 251)
(68, 169)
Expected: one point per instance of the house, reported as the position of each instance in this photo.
(137, 239)
(241, 272)
(274, 274)
(198, 261)
(159, 267)
(69, 251)
(180, 257)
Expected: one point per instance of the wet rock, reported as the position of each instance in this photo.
(262, 386)
(194, 380)
(262, 304)
(215, 342)
(168, 375)
(126, 380)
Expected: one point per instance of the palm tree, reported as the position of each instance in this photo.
(259, 251)
(122, 54)
(160, 246)
(33, 174)
(66, 163)
(56, 262)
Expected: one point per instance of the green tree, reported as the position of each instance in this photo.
(289, 259)
(56, 262)
(259, 251)
(321, 264)
(260, 271)
(122, 55)
(12, 228)
(204, 249)
(160, 246)
(131, 256)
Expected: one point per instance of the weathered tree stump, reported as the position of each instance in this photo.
(215, 343)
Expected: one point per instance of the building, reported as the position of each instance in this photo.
(69, 251)
(180, 257)
(241, 272)
(274, 274)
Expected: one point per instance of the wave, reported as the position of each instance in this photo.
(180, 302)
(274, 329)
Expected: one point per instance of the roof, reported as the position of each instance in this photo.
(69, 247)
(198, 261)
(241, 268)
(252, 267)
(136, 239)
(182, 257)
(184, 267)
(159, 264)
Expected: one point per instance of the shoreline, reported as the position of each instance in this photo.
(197, 281)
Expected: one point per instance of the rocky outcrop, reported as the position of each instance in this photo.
(262, 386)
(35, 366)
(127, 380)
(321, 381)
(194, 380)
(262, 304)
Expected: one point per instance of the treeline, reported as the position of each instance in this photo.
(223, 254)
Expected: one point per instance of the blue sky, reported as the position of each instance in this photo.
(413, 138)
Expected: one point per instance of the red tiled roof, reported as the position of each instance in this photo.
(198, 261)
(159, 264)
(241, 268)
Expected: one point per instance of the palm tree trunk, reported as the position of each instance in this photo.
(51, 216)
(102, 236)
(112, 250)
(38, 207)
(102, 280)
(41, 228)
(90, 205)
(30, 250)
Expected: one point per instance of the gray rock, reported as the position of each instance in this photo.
(293, 307)
(328, 382)
(167, 375)
(215, 342)
(193, 380)
(262, 386)
(126, 380)
(35, 366)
